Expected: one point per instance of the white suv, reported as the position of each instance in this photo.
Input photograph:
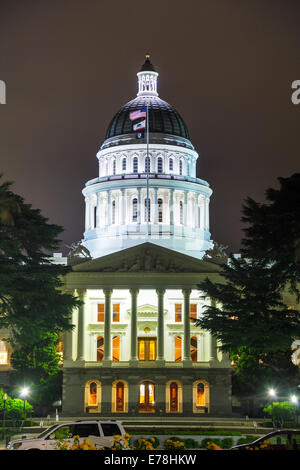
(99, 432)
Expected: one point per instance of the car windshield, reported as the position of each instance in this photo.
(44, 433)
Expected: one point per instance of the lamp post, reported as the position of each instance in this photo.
(4, 409)
(24, 393)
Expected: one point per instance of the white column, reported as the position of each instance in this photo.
(87, 213)
(123, 206)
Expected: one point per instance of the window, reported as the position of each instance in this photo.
(3, 352)
(178, 313)
(95, 216)
(116, 349)
(135, 165)
(147, 397)
(134, 210)
(178, 349)
(116, 312)
(113, 212)
(60, 351)
(159, 165)
(193, 312)
(124, 164)
(173, 397)
(171, 164)
(114, 167)
(194, 349)
(110, 429)
(100, 313)
(181, 213)
(160, 210)
(120, 396)
(180, 167)
(147, 349)
(85, 429)
(200, 394)
(149, 210)
(93, 394)
(147, 164)
(100, 348)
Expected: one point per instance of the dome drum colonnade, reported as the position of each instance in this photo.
(116, 201)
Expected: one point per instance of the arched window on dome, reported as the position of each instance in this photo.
(180, 167)
(159, 165)
(149, 210)
(113, 212)
(135, 168)
(134, 209)
(171, 164)
(147, 165)
(160, 209)
(124, 164)
(181, 213)
(114, 166)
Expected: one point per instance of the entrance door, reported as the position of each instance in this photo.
(147, 349)
(147, 397)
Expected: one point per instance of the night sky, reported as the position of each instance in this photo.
(226, 66)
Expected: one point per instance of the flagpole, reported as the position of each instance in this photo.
(148, 166)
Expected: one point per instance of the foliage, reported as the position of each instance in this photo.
(265, 445)
(173, 444)
(191, 443)
(33, 306)
(281, 412)
(145, 444)
(121, 442)
(273, 231)
(227, 443)
(213, 446)
(14, 407)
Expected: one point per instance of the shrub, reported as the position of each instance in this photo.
(281, 412)
(171, 444)
(227, 443)
(191, 443)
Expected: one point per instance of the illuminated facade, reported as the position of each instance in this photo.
(135, 350)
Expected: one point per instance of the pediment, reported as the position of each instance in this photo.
(147, 257)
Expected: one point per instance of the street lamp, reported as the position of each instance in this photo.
(272, 392)
(4, 408)
(24, 393)
(294, 399)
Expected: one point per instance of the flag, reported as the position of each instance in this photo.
(140, 113)
(139, 125)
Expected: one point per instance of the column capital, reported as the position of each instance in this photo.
(186, 292)
(107, 292)
(134, 291)
(160, 291)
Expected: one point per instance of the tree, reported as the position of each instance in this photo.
(273, 231)
(281, 412)
(249, 317)
(33, 306)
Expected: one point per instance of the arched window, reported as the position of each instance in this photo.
(95, 216)
(194, 349)
(173, 397)
(100, 348)
(116, 349)
(180, 167)
(114, 166)
(147, 165)
(178, 349)
(120, 402)
(159, 165)
(147, 397)
(171, 164)
(124, 164)
(200, 394)
(93, 394)
(181, 213)
(3, 352)
(160, 210)
(113, 212)
(134, 209)
(149, 210)
(135, 165)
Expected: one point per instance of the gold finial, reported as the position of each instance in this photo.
(147, 56)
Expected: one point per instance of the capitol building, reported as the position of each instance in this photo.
(135, 350)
